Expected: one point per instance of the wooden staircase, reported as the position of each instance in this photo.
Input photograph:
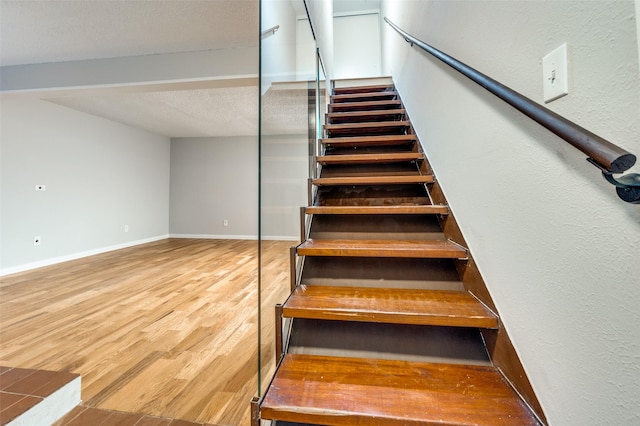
(388, 321)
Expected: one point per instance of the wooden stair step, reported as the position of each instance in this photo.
(382, 248)
(394, 209)
(373, 180)
(351, 97)
(335, 117)
(348, 391)
(389, 305)
(364, 141)
(363, 89)
(365, 105)
(361, 128)
(370, 158)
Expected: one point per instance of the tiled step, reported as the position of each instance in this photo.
(364, 141)
(364, 96)
(363, 89)
(395, 209)
(363, 116)
(365, 106)
(382, 248)
(399, 306)
(33, 397)
(346, 391)
(372, 180)
(370, 158)
(89, 416)
(367, 129)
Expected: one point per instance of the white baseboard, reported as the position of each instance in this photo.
(234, 237)
(60, 259)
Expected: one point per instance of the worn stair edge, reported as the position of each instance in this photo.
(382, 248)
(366, 125)
(376, 140)
(348, 391)
(372, 180)
(365, 105)
(361, 89)
(366, 113)
(396, 209)
(389, 305)
(350, 97)
(370, 158)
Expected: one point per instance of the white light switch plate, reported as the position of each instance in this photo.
(555, 79)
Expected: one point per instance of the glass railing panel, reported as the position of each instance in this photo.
(286, 115)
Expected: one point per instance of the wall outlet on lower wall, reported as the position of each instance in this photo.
(37, 241)
(126, 228)
(225, 222)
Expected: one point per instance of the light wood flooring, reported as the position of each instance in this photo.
(168, 328)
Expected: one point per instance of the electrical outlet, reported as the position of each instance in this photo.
(37, 241)
(126, 228)
(225, 222)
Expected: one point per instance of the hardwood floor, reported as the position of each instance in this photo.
(167, 328)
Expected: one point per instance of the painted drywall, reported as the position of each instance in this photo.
(357, 45)
(216, 179)
(212, 180)
(321, 15)
(557, 248)
(278, 50)
(99, 177)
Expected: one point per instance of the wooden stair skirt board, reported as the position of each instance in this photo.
(327, 390)
(388, 321)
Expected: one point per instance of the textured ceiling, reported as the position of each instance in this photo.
(42, 31)
(36, 31)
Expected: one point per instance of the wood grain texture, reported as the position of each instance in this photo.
(364, 106)
(382, 248)
(384, 210)
(357, 391)
(369, 158)
(166, 329)
(372, 180)
(363, 96)
(388, 305)
(358, 141)
(363, 89)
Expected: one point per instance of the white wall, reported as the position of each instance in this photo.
(357, 45)
(558, 250)
(321, 14)
(213, 179)
(99, 177)
(278, 51)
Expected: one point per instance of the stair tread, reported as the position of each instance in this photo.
(382, 248)
(365, 105)
(366, 125)
(370, 158)
(345, 391)
(360, 89)
(373, 180)
(395, 209)
(369, 140)
(362, 95)
(372, 113)
(389, 305)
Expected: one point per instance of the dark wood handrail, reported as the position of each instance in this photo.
(607, 156)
